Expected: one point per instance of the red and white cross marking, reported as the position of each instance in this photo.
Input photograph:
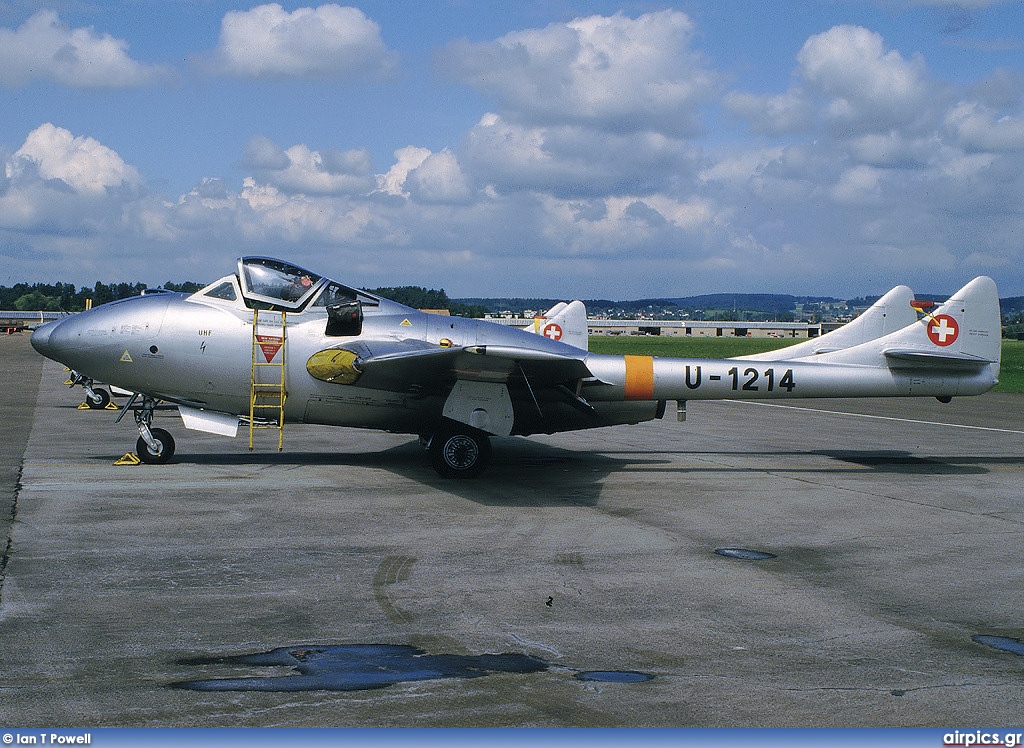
(552, 331)
(943, 330)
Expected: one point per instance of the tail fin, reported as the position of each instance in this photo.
(966, 329)
(890, 313)
(564, 322)
(962, 334)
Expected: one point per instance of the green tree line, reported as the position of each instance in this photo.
(428, 298)
(66, 297)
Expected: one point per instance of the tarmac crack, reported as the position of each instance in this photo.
(5, 556)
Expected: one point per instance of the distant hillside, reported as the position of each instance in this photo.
(767, 303)
(1013, 317)
(752, 302)
(516, 305)
(782, 307)
(1012, 305)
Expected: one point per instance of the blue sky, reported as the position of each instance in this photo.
(564, 149)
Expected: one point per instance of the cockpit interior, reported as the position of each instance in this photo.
(265, 283)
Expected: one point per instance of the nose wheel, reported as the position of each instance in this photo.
(96, 398)
(460, 453)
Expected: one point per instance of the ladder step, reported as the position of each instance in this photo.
(264, 396)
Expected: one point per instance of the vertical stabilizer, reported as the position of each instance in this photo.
(964, 331)
(976, 309)
(566, 323)
(890, 313)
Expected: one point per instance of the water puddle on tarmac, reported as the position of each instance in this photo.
(359, 667)
(1005, 643)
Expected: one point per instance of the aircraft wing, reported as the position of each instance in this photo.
(414, 365)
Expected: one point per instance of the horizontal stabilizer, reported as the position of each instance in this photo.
(936, 359)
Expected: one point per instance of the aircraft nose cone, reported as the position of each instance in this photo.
(41, 338)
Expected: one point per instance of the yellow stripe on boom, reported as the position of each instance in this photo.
(639, 378)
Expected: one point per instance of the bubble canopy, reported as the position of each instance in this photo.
(266, 282)
(276, 282)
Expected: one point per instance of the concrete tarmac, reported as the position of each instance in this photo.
(131, 595)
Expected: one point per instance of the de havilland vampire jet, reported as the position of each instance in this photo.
(275, 344)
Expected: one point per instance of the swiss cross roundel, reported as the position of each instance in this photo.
(943, 330)
(552, 331)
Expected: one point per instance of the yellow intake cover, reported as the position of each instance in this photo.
(335, 365)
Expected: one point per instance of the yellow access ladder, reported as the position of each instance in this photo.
(266, 385)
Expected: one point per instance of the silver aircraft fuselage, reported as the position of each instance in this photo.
(350, 358)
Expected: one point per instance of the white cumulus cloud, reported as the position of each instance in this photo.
(981, 128)
(858, 184)
(300, 169)
(45, 48)
(439, 179)
(61, 186)
(330, 41)
(571, 160)
(406, 159)
(870, 88)
(82, 163)
(587, 177)
(612, 73)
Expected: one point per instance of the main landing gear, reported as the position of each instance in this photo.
(457, 451)
(155, 445)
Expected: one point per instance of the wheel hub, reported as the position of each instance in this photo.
(461, 452)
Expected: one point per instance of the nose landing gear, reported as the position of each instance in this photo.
(96, 398)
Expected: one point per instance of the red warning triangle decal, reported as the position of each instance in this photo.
(270, 345)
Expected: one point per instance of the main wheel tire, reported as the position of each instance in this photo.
(100, 401)
(460, 454)
(163, 455)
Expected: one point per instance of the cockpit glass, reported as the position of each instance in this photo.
(225, 291)
(335, 293)
(273, 279)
